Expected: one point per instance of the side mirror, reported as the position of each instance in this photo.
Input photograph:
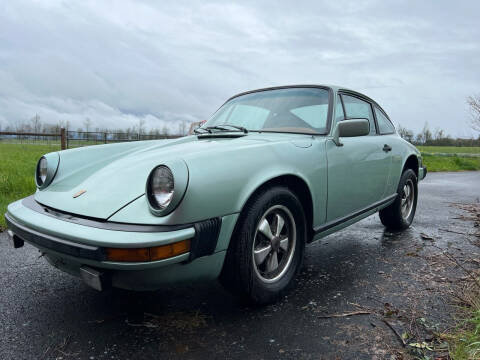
(350, 128)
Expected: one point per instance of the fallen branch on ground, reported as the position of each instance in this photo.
(351, 313)
(395, 332)
(455, 232)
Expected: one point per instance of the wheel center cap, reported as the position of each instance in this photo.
(275, 243)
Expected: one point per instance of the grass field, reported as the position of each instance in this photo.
(17, 169)
(450, 149)
(436, 163)
(18, 161)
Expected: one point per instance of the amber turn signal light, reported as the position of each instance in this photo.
(148, 254)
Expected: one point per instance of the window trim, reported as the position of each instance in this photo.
(343, 107)
(341, 93)
(376, 107)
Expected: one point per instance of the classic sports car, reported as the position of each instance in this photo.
(272, 170)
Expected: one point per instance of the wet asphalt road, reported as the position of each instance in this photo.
(45, 314)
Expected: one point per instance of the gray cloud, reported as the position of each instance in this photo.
(118, 62)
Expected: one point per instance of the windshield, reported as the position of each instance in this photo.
(299, 110)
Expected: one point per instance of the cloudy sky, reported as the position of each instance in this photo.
(118, 62)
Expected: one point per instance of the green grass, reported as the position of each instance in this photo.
(17, 169)
(465, 343)
(464, 339)
(450, 149)
(436, 163)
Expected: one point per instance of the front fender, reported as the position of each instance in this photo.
(222, 183)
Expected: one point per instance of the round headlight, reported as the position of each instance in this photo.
(42, 169)
(161, 187)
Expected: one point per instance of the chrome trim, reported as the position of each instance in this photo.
(407, 199)
(93, 278)
(274, 244)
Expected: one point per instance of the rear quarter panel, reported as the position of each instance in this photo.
(401, 151)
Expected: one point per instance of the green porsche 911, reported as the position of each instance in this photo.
(272, 170)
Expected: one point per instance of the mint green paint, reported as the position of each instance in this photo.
(201, 269)
(149, 277)
(339, 227)
(223, 173)
(226, 231)
(357, 174)
(90, 235)
(219, 177)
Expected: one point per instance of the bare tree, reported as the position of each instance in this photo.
(141, 125)
(419, 139)
(426, 133)
(36, 124)
(87, 123)
(474, 103)
(405, 133)
(182, 127)
(438, 134)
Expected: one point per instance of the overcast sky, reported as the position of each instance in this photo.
(117, 62)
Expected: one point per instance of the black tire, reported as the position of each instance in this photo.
(392, 216)
(241, 274)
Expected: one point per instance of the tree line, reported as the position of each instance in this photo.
(437, 137)
(36, 125)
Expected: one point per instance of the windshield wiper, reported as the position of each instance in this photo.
(205, 130)
(222, 127)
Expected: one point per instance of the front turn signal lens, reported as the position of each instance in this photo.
(148, 254)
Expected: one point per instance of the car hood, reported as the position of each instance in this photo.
(109, 177)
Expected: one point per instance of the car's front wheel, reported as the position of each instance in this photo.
(399, 215)
(266, 250)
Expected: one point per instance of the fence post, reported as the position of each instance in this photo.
(63, 139)
(105, 138)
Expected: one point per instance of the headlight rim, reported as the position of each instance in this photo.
(38, 176)
(53, 161)
(151, 198)
(180, 174)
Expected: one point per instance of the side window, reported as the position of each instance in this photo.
(339, 115)
(384, 125)
(357, 108)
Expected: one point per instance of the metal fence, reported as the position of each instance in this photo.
(30, 138)
(71, 139)
(83, 138)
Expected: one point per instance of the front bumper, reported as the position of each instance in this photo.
(72, 246)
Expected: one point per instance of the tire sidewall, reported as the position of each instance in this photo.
(262, 291)
(408, 174)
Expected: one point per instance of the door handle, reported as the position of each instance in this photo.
(387, 148)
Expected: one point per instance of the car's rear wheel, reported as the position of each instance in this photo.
(399, 215)
(266, 250)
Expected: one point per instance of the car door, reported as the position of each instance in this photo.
(357, 171)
